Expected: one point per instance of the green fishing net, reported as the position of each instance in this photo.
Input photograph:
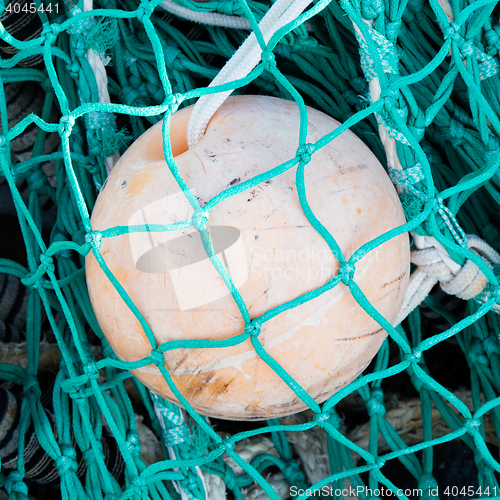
(436, 67)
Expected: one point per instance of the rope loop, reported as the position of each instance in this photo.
(36, 180)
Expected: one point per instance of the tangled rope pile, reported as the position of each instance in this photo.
(418, 82)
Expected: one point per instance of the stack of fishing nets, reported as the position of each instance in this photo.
(416, 81)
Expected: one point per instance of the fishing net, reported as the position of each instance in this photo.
(416, 81)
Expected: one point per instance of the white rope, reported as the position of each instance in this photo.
(96, 62)
(466, 283)
(211, 18)
(434, 263)
(241, 64)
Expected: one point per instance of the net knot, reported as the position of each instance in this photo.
(66, 124)
(14, 484)
(433, 204)
(173, 101)
(495, 294)
(305, 152)
(490, 345)
(476, 354)
(157, 358)
(472, 424)
(144, 11)
(107, 351)
(305, 43)
(200, 218)
(455, 132)
(371, 9)
(227, 444)
(346, 272)
(268, 58)
(50, 32)
(47, 263)
(252, 328)
(3, 145)
(467, 49)
(393, 29)
(94, 239)
(330, 417)
(36, 180)
(91, 370)
(230, 478)
(31, 386)
(67, 461)
(389, 96)
(139, 482)
(492, 39)
(133, 444)
(74, 69)
(292, 471)
(415, 356)
(452, 31)
(375, 405)
(427, 482)
(415, 5)
(89, 456)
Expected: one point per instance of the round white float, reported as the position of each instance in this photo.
(269, 248)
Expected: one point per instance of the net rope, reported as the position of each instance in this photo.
(422, 75)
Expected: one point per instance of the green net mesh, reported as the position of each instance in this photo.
(436, 64)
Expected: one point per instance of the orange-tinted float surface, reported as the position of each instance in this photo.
(267, 246)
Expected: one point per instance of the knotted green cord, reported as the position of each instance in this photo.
(439, 100)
